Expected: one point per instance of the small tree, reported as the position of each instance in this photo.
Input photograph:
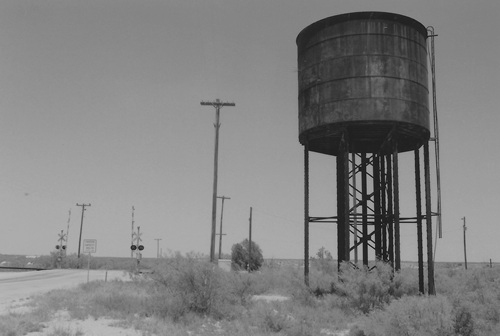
(241, 258)
(323, 253)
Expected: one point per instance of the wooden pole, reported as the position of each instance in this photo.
(217, 104)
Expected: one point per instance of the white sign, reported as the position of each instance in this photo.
(89, 245)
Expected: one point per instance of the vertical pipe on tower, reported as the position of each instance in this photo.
(428, 215)
(306, 214)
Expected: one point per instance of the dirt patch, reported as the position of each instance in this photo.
(270, 298)
(17, 288)
(62, 322)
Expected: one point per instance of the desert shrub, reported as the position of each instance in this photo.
(118, 298)
(19, 324)
(411, 316)
(404, 282)
(463, 322)
(185, 285)
(278, 280)
(321, 282)
(475, 295)
(365, 289)
(274, 321)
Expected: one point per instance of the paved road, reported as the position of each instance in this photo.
(19, 286)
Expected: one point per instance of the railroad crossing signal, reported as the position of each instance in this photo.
(61, 247)
(137, 235)
(62, 239)
(137, 247)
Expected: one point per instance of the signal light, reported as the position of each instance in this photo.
(133, 247)
(141, 247)
(57, 247)
(64, 247)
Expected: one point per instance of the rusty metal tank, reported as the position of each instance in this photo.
(363, 76)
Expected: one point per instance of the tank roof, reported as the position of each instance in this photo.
(326, 22)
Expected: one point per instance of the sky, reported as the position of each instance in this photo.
(100, 104)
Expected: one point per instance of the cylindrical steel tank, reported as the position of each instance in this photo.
(363, 75)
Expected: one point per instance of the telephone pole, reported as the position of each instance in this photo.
(221, 215)
(133, 233)
(157, 247)
(67, 230)
(250, 240)
(81, 226)
(465, 246)
(217, 104)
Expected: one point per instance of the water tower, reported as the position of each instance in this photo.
(364, 98)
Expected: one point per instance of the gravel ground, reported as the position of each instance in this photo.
(88, 327)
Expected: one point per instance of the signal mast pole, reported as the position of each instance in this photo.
(158, 247)
(217, 104)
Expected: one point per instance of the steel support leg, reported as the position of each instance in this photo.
(390, 211)
(395, 179)
(379, 255)
(364, 192)
(343, 202)
(420, 249)
(383, 208)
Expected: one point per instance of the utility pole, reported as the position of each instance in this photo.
(157, 247)
(465, 246)
(250, 239)
(81, 226)
(133, 233)
(67, 230)
(220, 230)
(217, 104)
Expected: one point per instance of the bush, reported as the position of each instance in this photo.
(475, 296)
(411, 316)
(187, 285)
(208, 301)
(365, 289)
(463, 323)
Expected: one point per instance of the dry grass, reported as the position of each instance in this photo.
(188, 297)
